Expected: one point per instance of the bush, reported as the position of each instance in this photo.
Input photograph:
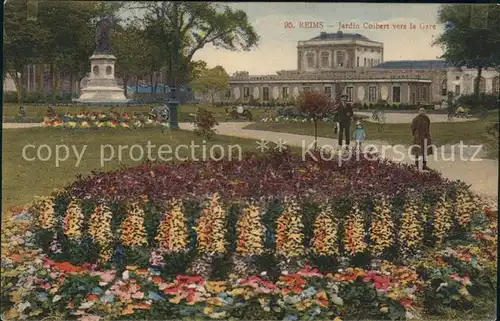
(205, 123)
(486, 101)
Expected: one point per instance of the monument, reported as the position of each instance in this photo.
(102, 88)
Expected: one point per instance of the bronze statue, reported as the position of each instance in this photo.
(102, 35)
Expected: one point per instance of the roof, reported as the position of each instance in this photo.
(340, 36)
(412, 64)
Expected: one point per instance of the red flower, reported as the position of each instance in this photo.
(67, 267)
(92, 297)
(406, 302)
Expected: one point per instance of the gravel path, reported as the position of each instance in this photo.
(406, 118)
(20, 125)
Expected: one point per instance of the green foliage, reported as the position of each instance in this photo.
(211, 82)
(205, 123)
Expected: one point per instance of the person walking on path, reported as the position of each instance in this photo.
(344, 111)
(422, 145)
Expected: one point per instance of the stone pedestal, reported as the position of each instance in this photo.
(101, 87)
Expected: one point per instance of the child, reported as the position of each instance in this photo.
(359, 135)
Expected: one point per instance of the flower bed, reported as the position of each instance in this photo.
(268, 214)
(98, 120)
(449, 277)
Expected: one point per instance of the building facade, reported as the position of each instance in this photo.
(351, 64)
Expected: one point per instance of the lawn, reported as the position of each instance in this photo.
(471, 133)
(23, 179)
(35, 113)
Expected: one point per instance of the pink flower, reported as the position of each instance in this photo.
(138, 295)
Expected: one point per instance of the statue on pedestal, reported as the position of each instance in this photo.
(102, 36)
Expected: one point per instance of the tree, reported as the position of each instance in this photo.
(471, 37)
(129, 45)
(316, 105)
(23, 43)
(211, 82)
(183, 28)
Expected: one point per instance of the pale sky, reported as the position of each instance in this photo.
(277, 48)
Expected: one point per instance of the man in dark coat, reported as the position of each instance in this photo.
(422, 145)
(344, 112)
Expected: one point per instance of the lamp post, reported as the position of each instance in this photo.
(173, 103)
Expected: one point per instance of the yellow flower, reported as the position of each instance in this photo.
(43, 209)
(289, 236)
(250, 232)
(133, 232)
(100, 230)
(211, 232)
(73, 221)
(442, 219)
(382, 227)
(173, 230)
(411, 231)
(466, 206)
(324, 241)
(208, 310)
(354, 232)
(238, 291)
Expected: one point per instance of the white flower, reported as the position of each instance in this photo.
(442, 285)
(126, 275)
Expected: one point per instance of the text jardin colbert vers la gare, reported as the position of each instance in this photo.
(356, 26)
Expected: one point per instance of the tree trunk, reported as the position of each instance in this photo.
(476, 85)
(125, 82)
(213, 99)
(71, 84)
(151, 81)
(315, 134)
(136, 84)
(53, 78)
(19, 82)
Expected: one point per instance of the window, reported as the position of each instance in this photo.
(457, 90)
(328, 91)
(285, 92)
(396, 94)
(340, 58)
(482, 84)
(228, 93)
(495, 87)
(364, 64)
(372, 94)
(246, 92)
(306, 89)
(371, 62)
(265, 93)
(325, 57)
(444, 88)
(349, 91)
(357, 61)
(310, 60)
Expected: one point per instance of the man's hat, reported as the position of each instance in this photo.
(358, 123)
